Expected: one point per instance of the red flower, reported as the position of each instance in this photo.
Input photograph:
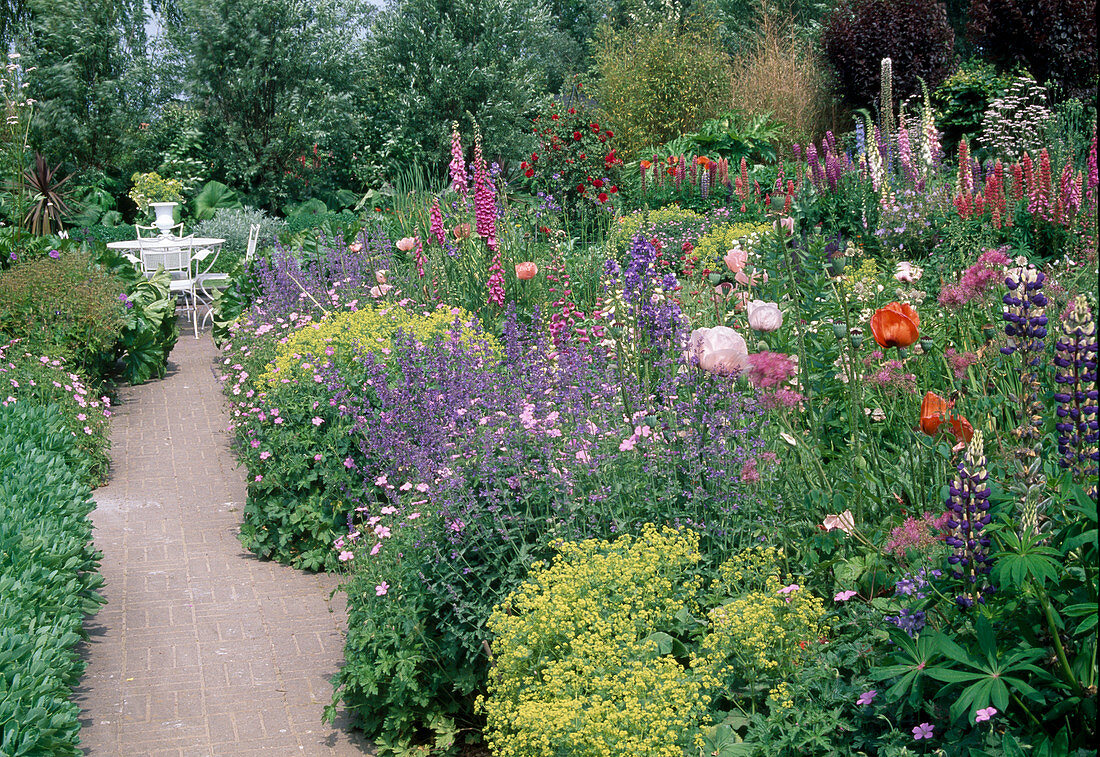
(576, 136)
(572, 111)
(934, 411)
(597, 183)
(602, 197)
(609, 133)
(614, 189)
(594, 127)
(523, 165)
(580, 188)
(582, 156)
(534, 157)
(895, 325)
(554, 117)
(529, 173)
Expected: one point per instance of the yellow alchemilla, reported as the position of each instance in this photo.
(575, 672)
(340, 337)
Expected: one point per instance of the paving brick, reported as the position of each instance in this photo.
(202, 649)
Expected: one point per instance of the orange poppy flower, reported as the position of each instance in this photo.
(895, 325)
(703, 160)
(935, 410)
(646, 164)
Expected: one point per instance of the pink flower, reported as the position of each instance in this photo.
(845, 522)
(985, 714)
(380, 277)
(790, 589)
(764, 316)
(381, 589)
(770, 369)
(719, 350)
(376, 548)
(526, 270)
(406, 243)
(749, 473)
(349, 463)
(345, 555)
(379, 291)
(907, 273)
(437, 222)
(264, 455)
(844, 596)
(356, 247)
(736, 259)
(317, 420)
(867, 697)
(628, 443)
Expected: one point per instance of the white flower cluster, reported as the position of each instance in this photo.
(1017, 122)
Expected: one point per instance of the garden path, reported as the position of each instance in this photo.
(201, 649)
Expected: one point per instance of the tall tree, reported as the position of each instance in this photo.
(435, 61)
(91, 79)
(269, 76)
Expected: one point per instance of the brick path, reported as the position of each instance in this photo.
(201, 649)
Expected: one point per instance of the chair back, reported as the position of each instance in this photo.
(146, 232)
(253, 239)
(173, 255)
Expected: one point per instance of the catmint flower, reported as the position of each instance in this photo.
(968, 503)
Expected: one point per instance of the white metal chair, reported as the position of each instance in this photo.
(207, 281)
(176, 256)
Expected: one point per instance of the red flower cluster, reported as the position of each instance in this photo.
(575, 162)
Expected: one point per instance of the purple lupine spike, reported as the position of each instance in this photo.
(968, 505)
(1075, 361)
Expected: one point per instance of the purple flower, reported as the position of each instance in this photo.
(867, 697)
(55, 254)
(923, 731)
(844, 596)
(349, 463)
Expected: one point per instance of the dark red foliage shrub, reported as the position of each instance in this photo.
(1054, 39)
(914, 34)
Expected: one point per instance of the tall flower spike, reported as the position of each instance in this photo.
(485, 205)
(420, 257)
(1026, 328)
(968, 505)
(437, 222)
(886, 102)
(1076, 395)
(496, 283)
(458, 162)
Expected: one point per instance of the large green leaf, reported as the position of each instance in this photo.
(214, 195)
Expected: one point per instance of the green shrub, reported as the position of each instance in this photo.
(962, 100)
(658, 83)
(48, 582)
(26, 378)
(64, 307)
(585, 656)
(232, 225)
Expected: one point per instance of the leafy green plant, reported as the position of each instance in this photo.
(151, 187)
(48, 581)
(150, 330)
(213, 197)
(732, 135)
